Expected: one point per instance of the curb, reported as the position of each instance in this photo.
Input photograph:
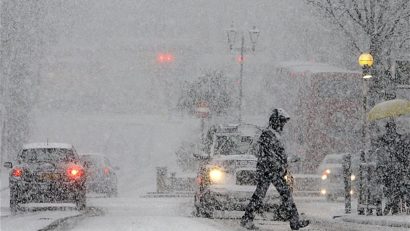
(379, 222)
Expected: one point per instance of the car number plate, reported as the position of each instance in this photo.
(246, 163)
(50, 176)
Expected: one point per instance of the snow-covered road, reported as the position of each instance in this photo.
(141, 144)
(130, 213)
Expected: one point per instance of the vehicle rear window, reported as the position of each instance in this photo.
(46, 155)
(92, 161)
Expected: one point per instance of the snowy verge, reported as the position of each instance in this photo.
(402, 221)
(323, 211)
(70, 222)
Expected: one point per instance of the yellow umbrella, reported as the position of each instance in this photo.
(390, 108)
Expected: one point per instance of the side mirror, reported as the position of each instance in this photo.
(201, 156)
(8, 165)
(294, 159)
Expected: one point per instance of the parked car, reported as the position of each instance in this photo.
(101, 175)
(47, 172)
(226, 179)
(331, 172)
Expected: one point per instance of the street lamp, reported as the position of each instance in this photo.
(253, 36)
(231, 34)
(366, 62)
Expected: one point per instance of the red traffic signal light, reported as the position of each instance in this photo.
(165, 58)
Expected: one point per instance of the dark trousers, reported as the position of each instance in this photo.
(277, 178)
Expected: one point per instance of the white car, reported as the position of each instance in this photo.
(227, 180)
(331, 172)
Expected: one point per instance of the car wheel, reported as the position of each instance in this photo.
(330, 197)
(14, 201)
(80, 201)
(206, 208)
(113, 192)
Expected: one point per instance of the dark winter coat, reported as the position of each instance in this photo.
(271, 153)
(391, 160)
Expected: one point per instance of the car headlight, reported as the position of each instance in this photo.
(327, 171)
(352, 177)
(216, 175)
(324, 177)
(351, 192)
(323, 191)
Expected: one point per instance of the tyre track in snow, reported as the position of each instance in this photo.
(67, 223)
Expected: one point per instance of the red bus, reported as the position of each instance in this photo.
(326, 105)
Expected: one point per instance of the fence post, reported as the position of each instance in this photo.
(161, 179)
(360, 196)
(347, 172)
(173, 181)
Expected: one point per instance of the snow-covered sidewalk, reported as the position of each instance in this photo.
(322, 210)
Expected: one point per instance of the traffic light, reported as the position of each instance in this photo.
(165, 58)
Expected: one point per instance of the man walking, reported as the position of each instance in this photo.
(389, 160)
(271, 168)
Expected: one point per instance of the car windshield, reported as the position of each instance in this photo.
(232, 145)
(46, 155)
(333, 161)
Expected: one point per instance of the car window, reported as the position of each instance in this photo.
(333, 161)
(46, 155)
(92, 161)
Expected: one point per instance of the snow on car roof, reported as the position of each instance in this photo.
(234, 157)
(312, 67)
(335, 156)
(92, 154)
(236, 129)
(47, 145)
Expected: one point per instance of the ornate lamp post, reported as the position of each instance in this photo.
(253, 36)
(366, 62)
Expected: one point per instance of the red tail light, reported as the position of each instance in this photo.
(75, 171)
(17, 172)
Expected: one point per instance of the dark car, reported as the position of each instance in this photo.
(101, 176)
(47, 173)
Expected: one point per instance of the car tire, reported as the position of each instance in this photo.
(80, 201)
(14, 201)
(206, 208)
(113, 192)
(331, 197)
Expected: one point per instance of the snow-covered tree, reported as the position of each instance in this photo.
(213, 87)
(380, 27)
(23, 33)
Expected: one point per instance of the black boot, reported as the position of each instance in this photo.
(299, 224)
